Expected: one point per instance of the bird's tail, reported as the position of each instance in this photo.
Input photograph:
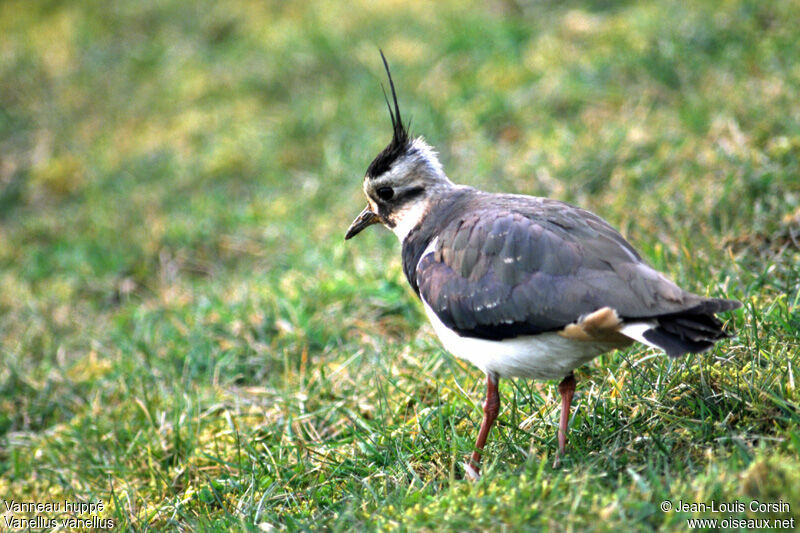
(694, 330)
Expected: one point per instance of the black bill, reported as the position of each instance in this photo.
(366, 218)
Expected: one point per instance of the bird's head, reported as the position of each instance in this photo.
(401, 180)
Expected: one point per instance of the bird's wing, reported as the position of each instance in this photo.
(519, 267)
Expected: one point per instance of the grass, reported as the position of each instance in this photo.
(185, 335)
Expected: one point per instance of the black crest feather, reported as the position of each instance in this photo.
(399, 143)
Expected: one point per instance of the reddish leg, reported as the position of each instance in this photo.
(490, 409)
(567, 389)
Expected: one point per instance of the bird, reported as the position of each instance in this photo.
(522, 286)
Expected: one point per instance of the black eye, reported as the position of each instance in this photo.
(385, 193)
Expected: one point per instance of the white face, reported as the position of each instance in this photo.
(401, 195)
(400, 201)
(407, 218)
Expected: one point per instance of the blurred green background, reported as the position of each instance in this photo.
(184, 333)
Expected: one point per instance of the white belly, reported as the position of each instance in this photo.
(543, 356)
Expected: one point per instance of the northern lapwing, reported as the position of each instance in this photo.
(522, 286)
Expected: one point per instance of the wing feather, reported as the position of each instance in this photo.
(521, 265)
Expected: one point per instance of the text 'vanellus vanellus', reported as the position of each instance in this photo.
(523, 286)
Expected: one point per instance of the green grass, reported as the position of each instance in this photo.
(185, 335)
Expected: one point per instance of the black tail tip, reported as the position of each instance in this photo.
(675, 346)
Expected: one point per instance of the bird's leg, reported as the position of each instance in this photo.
(567, 389)
(490, 409)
